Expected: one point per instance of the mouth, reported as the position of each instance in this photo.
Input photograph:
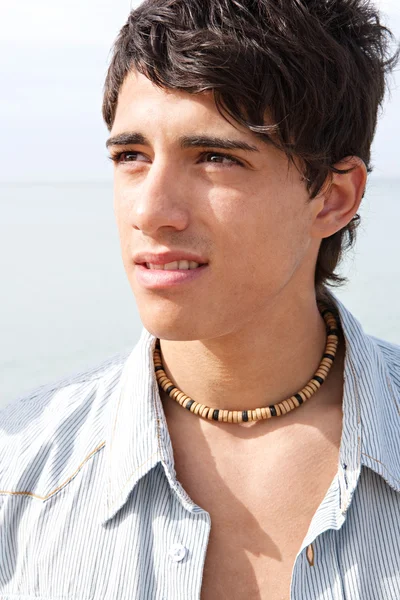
(170, 275)
(180, 265)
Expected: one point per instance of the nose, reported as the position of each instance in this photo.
(160, 200)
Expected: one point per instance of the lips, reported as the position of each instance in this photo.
(161, 279)
(166, 258)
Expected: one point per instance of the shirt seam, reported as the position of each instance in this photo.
(14, 493)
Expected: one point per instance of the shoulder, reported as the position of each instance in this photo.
(388, 355)
(389, 351)
(48, 433)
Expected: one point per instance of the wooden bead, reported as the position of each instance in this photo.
(295, 401)
(230, 416)
(235, 416)
(264, 413)
(204, 411)
(258, 414)
(291, 404)
(307, 393)
(282, 409)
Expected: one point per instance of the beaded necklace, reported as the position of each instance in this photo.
(275, 410)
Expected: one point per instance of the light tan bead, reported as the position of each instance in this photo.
(193, 407)
(204, 411)
(235, 416)
(225, 416)
(282, 409)
(254, 415)
(295, 401)
(240, 416)
(268, 411)
(220, 416)
(327, 363)
(302, 396)
(286, 405)
(331, 348)
(210, 414)
(324, 370)
(313, 385)
(230, 416)
(306, 393)
(291, 404)
(258, 414)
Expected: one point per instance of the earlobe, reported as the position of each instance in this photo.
(342, 198)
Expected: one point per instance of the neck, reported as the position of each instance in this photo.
(262, 363)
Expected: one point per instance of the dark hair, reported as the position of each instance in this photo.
(317, 68)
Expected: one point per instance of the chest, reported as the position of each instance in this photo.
(261, 501)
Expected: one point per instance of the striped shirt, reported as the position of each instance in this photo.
(91, 509)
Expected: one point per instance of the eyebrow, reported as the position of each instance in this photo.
(187, 141)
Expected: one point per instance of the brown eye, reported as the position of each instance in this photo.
(221, 157)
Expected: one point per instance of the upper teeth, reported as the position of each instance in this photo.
(175, 266)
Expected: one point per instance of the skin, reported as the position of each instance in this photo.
(227, 339)
(246, 334)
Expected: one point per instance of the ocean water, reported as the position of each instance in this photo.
(66, 304)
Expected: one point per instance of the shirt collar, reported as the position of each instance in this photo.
(138, 438)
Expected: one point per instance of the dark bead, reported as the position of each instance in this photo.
(319, 379)
(325, 312)
(329, 356)
(158, 345)
(169, 389)
(273, 411)
(299, 398)
(333, 332)
(215, 414)
(189, 404)
(159, 368)
(245, 416)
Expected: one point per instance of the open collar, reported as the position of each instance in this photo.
(138, 438)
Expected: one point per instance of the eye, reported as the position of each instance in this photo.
(231, 160)
(123, 157)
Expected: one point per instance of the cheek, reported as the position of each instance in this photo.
(263, 245)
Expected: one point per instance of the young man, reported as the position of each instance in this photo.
(251, 452)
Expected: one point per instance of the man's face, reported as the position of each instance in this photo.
(243, 213)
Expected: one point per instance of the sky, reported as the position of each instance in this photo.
(53, 62)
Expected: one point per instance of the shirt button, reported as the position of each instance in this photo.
(177, 552)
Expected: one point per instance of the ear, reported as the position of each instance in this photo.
(340, 201)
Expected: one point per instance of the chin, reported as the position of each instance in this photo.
(167, 321)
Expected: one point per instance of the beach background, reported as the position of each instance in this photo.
(65, 302)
